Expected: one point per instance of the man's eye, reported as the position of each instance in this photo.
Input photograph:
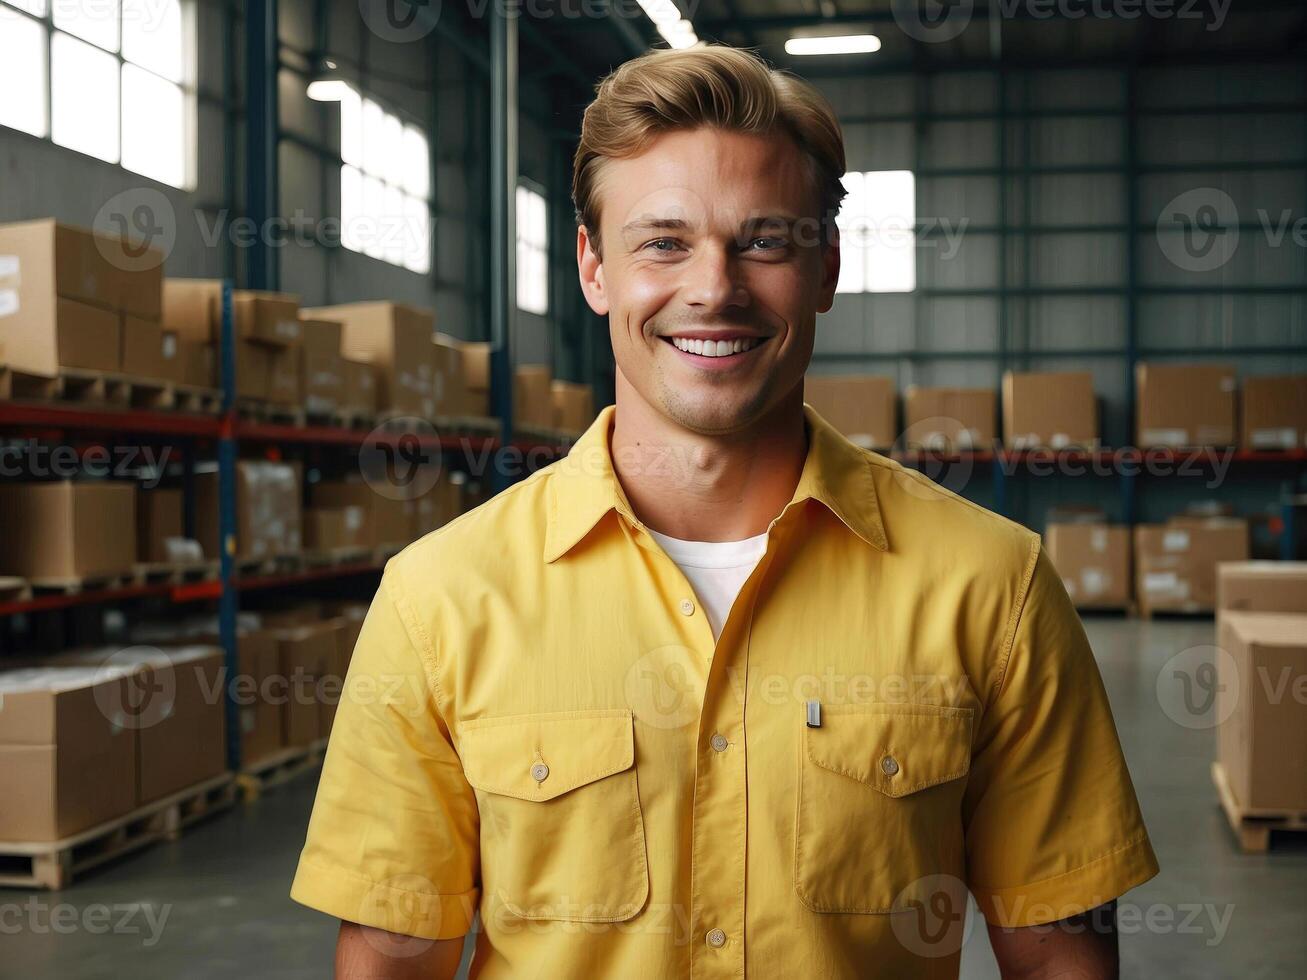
(661, 245)
(767, 244)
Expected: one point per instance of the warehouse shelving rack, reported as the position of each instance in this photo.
(224, 432)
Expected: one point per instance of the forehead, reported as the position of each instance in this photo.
(707, 176)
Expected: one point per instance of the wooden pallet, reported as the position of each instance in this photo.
(281, 767)
(177, 573)
(270, 413)
(200, 401)
(56, 864)
(75, 585)
(274, 565)
(1252, 827)
(13, 589)
(108, 389)
(336, 556)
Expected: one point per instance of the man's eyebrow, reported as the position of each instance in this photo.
(656, 224)
(768, 221)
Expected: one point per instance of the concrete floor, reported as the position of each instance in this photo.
(223, 886)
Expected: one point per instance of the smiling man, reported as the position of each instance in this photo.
(720, 694)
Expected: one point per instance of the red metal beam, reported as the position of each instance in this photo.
(61, 416)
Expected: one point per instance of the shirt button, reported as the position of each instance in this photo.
(716, 938)
(889, 765)
(687, 606)
(719, 742)
(539, 772)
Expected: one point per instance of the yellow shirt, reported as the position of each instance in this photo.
(538, 725)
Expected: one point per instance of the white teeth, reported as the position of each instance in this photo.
(715, 348)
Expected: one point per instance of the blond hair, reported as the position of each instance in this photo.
(713, 85)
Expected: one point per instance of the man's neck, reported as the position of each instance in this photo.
(707, 488)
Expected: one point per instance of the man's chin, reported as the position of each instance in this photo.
(712, 413)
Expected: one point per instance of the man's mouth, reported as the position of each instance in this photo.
(714, 348)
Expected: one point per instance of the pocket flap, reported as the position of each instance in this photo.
(894, 748)
(539, 757)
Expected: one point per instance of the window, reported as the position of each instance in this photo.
(385, 184)
(878, 233)
(118, 80)
(532, 251)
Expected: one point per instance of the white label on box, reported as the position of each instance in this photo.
(1285, 438)
(9, 268)
(170, 345)
(1227, 383)
(1059, 440)
(1098, 539)
(1094, 580)
(1175, 541)
(248, 720)
(1160, 582)
(1164, 437)
(8, 302)
(290, 329)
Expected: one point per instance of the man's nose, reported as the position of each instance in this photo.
(714, 281)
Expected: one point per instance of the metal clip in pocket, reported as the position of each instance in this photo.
(814, 714)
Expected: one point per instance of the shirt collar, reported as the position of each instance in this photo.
(583, 487)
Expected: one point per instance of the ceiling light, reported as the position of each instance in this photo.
(328, 90)
(841, 44)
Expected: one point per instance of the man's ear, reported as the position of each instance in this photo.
(590, 268)
(830, 269)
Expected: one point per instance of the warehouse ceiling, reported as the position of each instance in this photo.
(929, 34)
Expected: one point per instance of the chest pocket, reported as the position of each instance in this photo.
(879, 804)
(562, 834)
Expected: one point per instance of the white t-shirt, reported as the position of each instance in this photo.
(716, 570)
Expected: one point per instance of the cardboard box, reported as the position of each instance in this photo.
(360, 393)
(1094, 562)
(476, 365)
(396, 340)
(141, 283)
(196, 362)
(143, 349)
(66, 765)
(322, 369)
(285, 376)
(268, 521)
(574, 406)
(87, 337)
(859, 406)
(949, 420)
(175, 703)
(436, 508)
(1261, 692)
(67, 530)
(1049, 410)
(386, 521)
(257, 694)
(1180, 405)
(267, 318)
(159, 520)
(533, 402)
(192, 309)
(1274, 412)
(254, 363)
(1262, 586)
(306, 654)
(1175, 563)
(331, 528)
(449, 387)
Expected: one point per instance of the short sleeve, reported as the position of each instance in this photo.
(1052, 824)
(393, 840)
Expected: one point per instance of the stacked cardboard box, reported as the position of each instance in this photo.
(1175, 562)
(192, 317)
(1261, 586)
(66, 293)
(1049, 409)
(67, 530)
(323, 387)
(360, 393)
(476, 375)
(1274, 412)
(1182, 405)
(66, 764)
(253, 689)
(335, 528)
(176, 706)
(574, 406)
(859, 406)
(533, 400)
(1094, 562)
(309, 661)
(396, 340)
(448, 378)
(948, 419)
(385, 520)
(268, 521)
(160, 531)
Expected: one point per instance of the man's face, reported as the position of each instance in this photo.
(712, 274)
